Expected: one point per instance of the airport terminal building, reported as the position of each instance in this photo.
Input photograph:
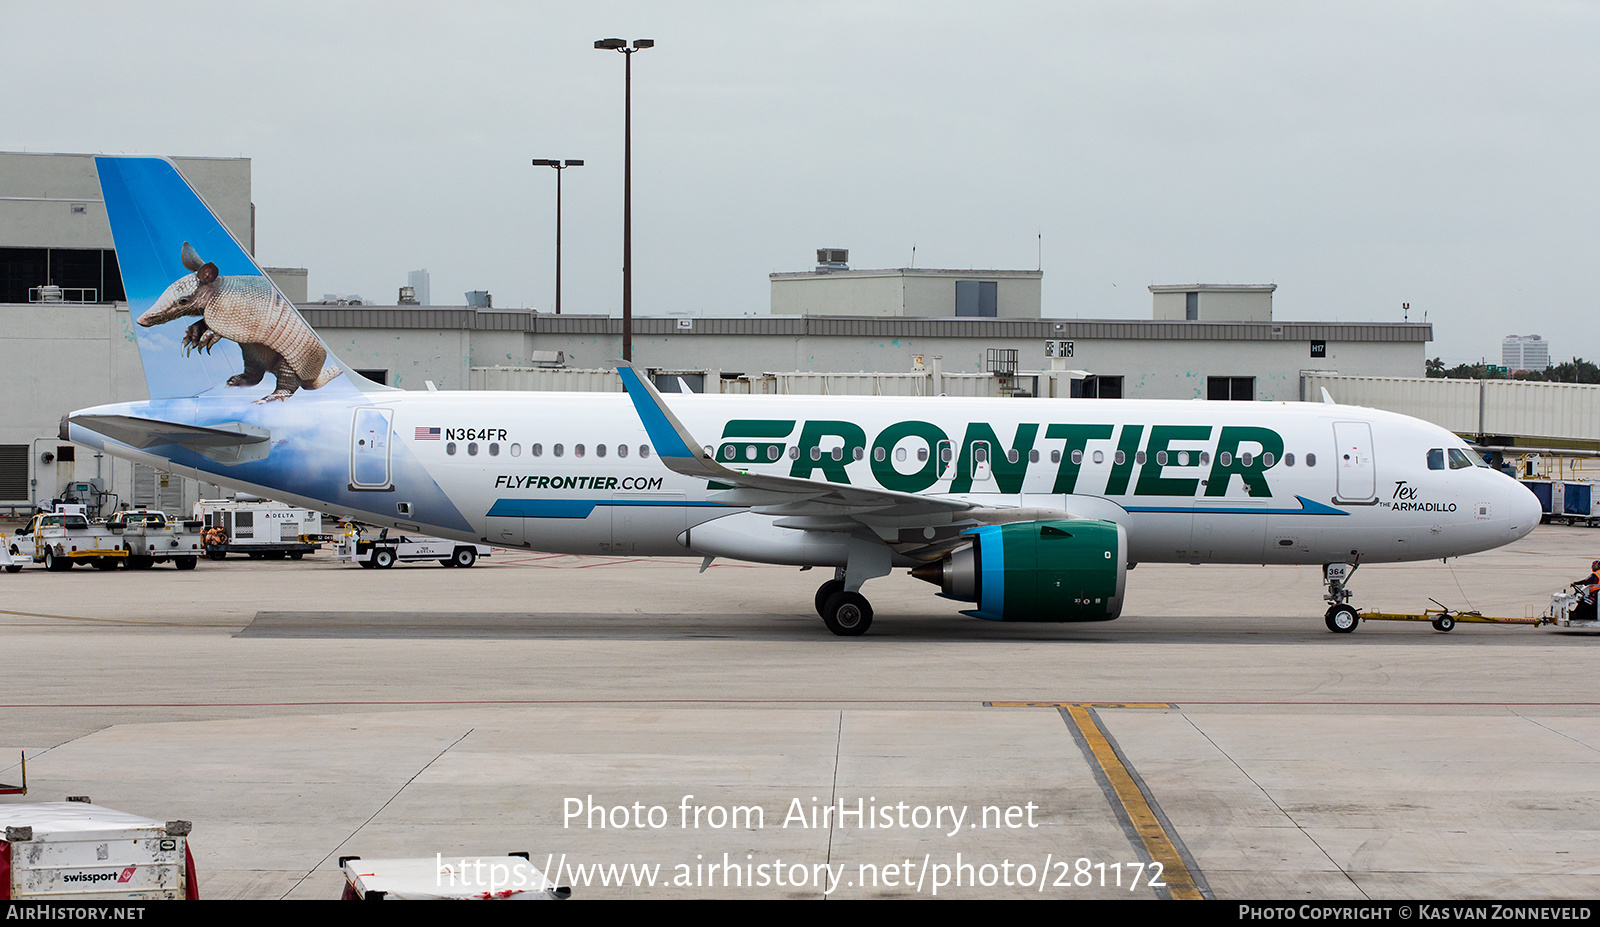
(67, 338)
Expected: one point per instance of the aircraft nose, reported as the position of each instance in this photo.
(1523, 508)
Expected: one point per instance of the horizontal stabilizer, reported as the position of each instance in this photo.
(228, 442)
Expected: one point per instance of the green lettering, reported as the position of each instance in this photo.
(884, 470)
(811, 437)
(1151, 482)
(1077, 437)
(1128, 445)
(1007, 475)
(1266, 440)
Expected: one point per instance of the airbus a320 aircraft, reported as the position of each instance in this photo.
(1030, 510)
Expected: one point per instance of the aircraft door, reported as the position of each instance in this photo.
(1357, 475)
(647, 523)
(369, 450)
(982, 467)
(947, 459)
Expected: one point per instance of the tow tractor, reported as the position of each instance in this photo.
(1342, 617)
(150, 539)
(382, 551)
(61, 538)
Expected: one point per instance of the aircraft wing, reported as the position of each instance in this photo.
(921, 526)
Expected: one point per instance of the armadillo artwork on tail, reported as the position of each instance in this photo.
(245, 309)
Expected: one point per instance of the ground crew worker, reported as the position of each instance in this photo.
(1587, 589)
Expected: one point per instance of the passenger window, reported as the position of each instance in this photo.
(1266, 459)
(450, 448)
(1225, 458)
(536, 450)
(1119, 458)
(599, 450)
(516, 450)
(1077, 457)
(879, 454)
(1140, 458)
(622, 450)
(577, 450)
(558, 450)
(494, 449)
(1161, 458)
(773, 452)
(1033, 456)
(1288, 460)
(644, 450)
(472, 448)
(900, 454)
(1055, 456)
(1011, 455)
(1311, 460)
(1436, 458)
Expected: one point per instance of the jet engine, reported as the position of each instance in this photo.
(1071, 570)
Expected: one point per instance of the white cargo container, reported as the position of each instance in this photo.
(71, 850)
(473, 878)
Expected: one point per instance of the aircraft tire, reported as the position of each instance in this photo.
(383, 558)
(827, 591)
(847, 614)
(1342, 619)
(464, 557)
(1444, 623)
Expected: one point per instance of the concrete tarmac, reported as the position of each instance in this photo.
(636, 713)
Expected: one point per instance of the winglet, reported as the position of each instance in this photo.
(673, 444)
(1327, 397)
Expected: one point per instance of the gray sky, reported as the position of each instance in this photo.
(1359, 155)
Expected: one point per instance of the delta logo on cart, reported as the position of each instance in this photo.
(94, 878)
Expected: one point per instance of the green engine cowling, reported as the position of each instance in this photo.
(1069, 570)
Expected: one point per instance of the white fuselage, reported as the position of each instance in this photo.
(1220, 482)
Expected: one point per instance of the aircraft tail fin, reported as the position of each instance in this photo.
(207, 318)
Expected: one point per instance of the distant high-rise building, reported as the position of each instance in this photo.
(1524, 352)
(418, 281)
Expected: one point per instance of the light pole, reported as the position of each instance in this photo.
(542, 162)
(627, 181)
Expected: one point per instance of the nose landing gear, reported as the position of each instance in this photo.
(1341, 617)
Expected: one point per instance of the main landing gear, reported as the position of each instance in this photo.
(839, 601)
(1341, 617)
(846, 613)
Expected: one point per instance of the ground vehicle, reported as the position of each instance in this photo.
(73, 850)
(257, 528)
(58, 540)
(149, 538)
(383, 550)
(472, 878)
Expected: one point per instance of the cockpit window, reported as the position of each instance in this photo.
(1461, 459)
(1436, 458)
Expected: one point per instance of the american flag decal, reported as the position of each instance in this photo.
(427, 434)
